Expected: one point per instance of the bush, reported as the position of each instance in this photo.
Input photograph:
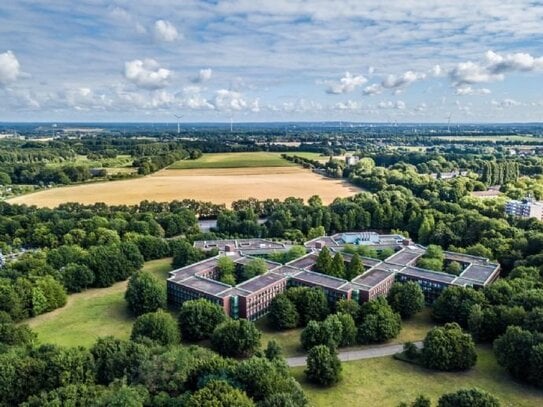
(448, 348)
(157, 326)
(217, 394)
(323, 366)
(199, 318)
(454, 304)
(145, 293)
(468, 398)
(236, 338)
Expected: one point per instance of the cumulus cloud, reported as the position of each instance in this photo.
(493, 68)
(203, 76)
(146, 73)
(403, 80)
(348, 83)
(436, 70)
(349, 105)
(165, 31)
(374, 89)
(466, 90)
(399, 105)
(10, 69)
(229, 100)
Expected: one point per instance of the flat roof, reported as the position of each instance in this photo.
(246, 260)
(320, 279)
(207, 286)
(327, 240)
(304, 262)
(479, 273)
(464, 258)
(259, 282)
(372, 277)
(428, 275)
(405, 256)
(212, 244)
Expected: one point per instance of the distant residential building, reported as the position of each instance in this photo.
(526, 208)
(351, 160)
(251, 299)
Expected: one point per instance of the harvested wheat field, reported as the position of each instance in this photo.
(220, 186)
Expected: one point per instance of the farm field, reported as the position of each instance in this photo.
(387, 382)
(92, 313)
(220, 186)
(235, 160)
(489, 138)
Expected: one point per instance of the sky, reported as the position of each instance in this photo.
(271, 60)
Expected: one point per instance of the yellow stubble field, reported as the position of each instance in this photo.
(219, 185)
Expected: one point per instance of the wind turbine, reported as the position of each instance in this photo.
(231, 124)
(449, 123)
(178, 117)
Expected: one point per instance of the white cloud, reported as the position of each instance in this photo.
(399, 105)
(348, 83)
(203, 76)
(401, 81)
(493, 68)
(436, 70)
(10, 69)
(165, 31)
(229, 100)
(374, 89)
(506, 103)
(146, 73)
(349, 105)
(466, 90)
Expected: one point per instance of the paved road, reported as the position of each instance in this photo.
(348, 355)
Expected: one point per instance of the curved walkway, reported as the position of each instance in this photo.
(348, 355)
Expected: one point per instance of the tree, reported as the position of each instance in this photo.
(433, 258)
(468, 398)
(454, 304)
(406, 298)
(157, 326)
(487, 323)
(254, 268)
(448, 348)
(324, 261)
(378, 322)
(337, 268)
(520, 352)
(273, 350)
(76, 277)
(282, 313)
(226, 269)
(53, 292)
(184, 254)
(219, 393)
(350, 307)
(115, 358)
(199, 318)
(311, 303)
(315, 232)
(348, 329)
(313, 335)
(145, 293)
(16, 335)
(454, 268)
(323, 366)
(420, 401)
(236, 338)
(354, 268)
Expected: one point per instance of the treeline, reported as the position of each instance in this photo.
(40, 174)
(499, 172)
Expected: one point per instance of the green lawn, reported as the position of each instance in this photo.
(92, 313)
(387, 382)
(413, 330)
(121, 161)
(234, 160)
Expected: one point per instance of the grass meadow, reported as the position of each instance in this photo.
(93, 313)
(387, 382)
(234, 160)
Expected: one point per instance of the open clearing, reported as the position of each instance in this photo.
(220, 186)
(92, 313)
(235, 160)
(387, 382)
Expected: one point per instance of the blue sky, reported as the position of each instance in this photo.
(271, 60)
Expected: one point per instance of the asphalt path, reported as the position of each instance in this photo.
(349, 355)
